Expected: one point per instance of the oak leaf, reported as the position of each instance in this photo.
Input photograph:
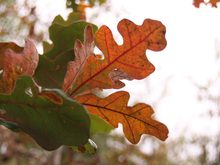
(82, 52)
(52, 65)
(136, 120)
(127, 61)
(16, 61)
(49, 115)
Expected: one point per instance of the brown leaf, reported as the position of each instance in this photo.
(82, 52)
(136, 120)
(128, 58)
(14, 62)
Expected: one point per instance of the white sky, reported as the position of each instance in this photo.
(192, 35)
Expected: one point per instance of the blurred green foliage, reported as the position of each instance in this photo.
(74, 4)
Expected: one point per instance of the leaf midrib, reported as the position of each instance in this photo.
(109, 64)
(121, 113)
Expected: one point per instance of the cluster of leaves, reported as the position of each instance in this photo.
(213, 3)
(52, 97)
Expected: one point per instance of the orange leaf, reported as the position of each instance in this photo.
(198, 2)
(136, 120)
(82, 52)
(212, 2)
(16, 61)
(127, 61)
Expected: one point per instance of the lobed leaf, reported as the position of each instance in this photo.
(72, 18)
(82, 52)
(16, 61)
(52, 65)
(136, 120)
(50, 117)
(127, 61)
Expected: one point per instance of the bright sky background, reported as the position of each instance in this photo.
(193, 37)
(191, 34)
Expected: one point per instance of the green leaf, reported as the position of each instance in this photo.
(71, 4)
(12, 126)
(88, 148)
(53, 64)
(98, 125)
(50, 117)
(92, 2)
(47, 46)
(72, 17)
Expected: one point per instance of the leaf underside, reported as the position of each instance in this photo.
(16, 61)
(50, 117)
(127, 61)
(52, 65)
(136, 120)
